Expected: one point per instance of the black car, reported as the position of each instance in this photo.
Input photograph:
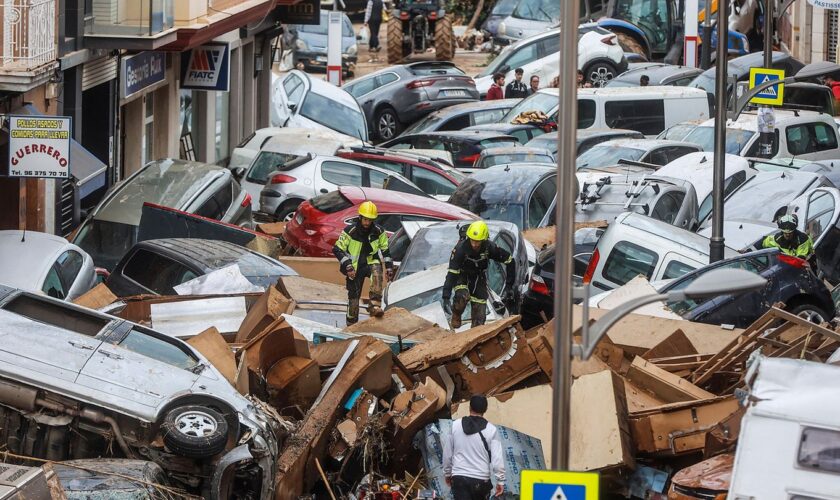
(465, 147)
(520, 194)
(461, 116)
(658, 73)
(522, 132)
(397, 96)
(586, 138)
(538, 300)
(157, 266)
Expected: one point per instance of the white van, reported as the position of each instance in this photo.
(649, 110)
(635, 244)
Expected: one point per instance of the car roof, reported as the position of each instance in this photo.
(748, 120)
(27, 255)
(329, 90)
(303, 140)
(500, 126)
(469, 107)
(592, 132)
(644, 144)
(657, 72)
(695, 242)
(168, 182)
(505, 182)
(395, 201)
(664, 91)
(524, 150)
(474, 135)
(211, 254)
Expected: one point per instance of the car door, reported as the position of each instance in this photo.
(546, 66)
(540, 201)
(139, 369)
(292, 92)
(69, 266)
(812, 141)
(431, 182)
(363, 91)
(819, 214)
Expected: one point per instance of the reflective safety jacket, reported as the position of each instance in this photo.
(801, 245)
(352, 241)
(465, 264)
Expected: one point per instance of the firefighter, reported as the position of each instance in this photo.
(358, 250)
(467, 275)
(791, 241)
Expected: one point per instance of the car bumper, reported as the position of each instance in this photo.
(423, 108)
(270, 201)
(319, 59)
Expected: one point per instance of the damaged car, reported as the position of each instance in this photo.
(77, 384)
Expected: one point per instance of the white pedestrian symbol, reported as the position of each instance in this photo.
(558, 494)
(769, 91)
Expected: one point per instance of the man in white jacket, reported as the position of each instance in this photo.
(472, 453)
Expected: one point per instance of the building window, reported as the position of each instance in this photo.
(148, 151)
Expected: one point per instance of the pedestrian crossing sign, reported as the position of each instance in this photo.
(556, 485)
(772, 95)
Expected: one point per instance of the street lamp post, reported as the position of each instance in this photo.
(716, 245)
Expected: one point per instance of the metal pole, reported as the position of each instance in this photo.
(716, 245)
(706, 52)
(768, 33)
(564, 218)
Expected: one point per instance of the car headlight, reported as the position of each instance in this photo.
(351, 51)
(501, 29)
(301, 45)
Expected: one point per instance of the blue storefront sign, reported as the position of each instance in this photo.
(141, 71)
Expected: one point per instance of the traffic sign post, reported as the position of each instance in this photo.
(772, 95)
(556, 485)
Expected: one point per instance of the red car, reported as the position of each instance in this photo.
(317, 223)
(434, 178)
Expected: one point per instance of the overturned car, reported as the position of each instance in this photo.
(78, 384)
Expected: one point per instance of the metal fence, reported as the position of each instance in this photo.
(29, 33)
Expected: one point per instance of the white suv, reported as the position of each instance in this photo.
(599, 57)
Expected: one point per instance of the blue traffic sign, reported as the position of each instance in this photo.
(772, 95)
(554, 485)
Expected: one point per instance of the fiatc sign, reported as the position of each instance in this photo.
(206, 68)
(39, 146)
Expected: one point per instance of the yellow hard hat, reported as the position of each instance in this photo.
(478, 231)
(368, 210)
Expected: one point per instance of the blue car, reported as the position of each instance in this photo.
(310, 44)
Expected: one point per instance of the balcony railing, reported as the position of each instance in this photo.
(29, 33)
(130, 18)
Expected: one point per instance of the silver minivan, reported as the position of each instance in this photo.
(110, 230)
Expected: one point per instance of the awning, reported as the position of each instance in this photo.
(88, 171)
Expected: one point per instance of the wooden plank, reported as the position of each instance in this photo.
(662, 384)
(677, 344)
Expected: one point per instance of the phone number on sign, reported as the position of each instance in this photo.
(38, 173)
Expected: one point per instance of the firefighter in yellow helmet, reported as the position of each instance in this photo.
(358, 250)
(467, 275)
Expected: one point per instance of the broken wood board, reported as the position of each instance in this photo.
(296, 471)
(184, 319)
(426, 355)
(679, 428)
(138, 308)
(633, 289)
(662, 384)
(293, 383)
(270, 306)
(401, 323)
(328, 354)
(637, 334)
(543, 237)
(303, 290)
(638, 399)
(600, 434)
(676, 344)
(324, 269)
(274, 229)
(96, 297)
(213, 346)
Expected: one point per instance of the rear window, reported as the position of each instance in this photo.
(331, 203)
(266, 163)
(646, 116)
(499, 142)
(819, 450)
(586, 113)
(435, 69)
(627, 261)
(675, 269)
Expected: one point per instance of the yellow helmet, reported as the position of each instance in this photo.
(478, 231)
(368, 210)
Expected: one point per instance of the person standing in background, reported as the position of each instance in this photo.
(496, 90)
(373, 19)
(517, 88)
(535, 84)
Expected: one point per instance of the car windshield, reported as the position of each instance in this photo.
(602, 156)
(736, 139)
(779, 190)
(321, 29)
(334, 115)
(538, 10)
(541, 101)
(265, 163)
(430, 122)
(106, 242)
(498, 61)
(420, 300)
(504, 7)
(547, 142)
(490, 160)
(429, 247)
(677, 132)
(705, 81)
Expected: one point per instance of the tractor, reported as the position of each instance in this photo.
(417, 25)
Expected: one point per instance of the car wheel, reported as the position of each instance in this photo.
(810, 312)
(286, 211)
(600, 73)
(195, 431)
(388, 124)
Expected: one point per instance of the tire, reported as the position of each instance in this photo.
(630, 44)
(286, 211)
(444, 39)
(812, 313)
(394, 41)
(599, 73)
(195, 431)
(387, 124)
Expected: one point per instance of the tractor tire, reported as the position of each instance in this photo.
(444, 39)
(630, 44)
(395, 41)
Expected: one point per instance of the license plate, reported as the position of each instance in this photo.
(453, 93)
(321, 59)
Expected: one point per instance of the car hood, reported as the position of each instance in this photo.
(742, 233)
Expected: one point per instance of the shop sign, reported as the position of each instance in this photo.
(826, 4)
(206, 68)
(39, 146)
(141, 71)
(303, 12)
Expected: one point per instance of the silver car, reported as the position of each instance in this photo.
(80, 384)
(305, 177)
(45, 263)
(207, 190)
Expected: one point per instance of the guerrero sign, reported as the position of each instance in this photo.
(39, 146)
(206, 68)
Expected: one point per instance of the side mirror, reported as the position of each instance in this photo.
(83, 213)
(504, 69)
(239, 172)
(293, 107)
(358, 37)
